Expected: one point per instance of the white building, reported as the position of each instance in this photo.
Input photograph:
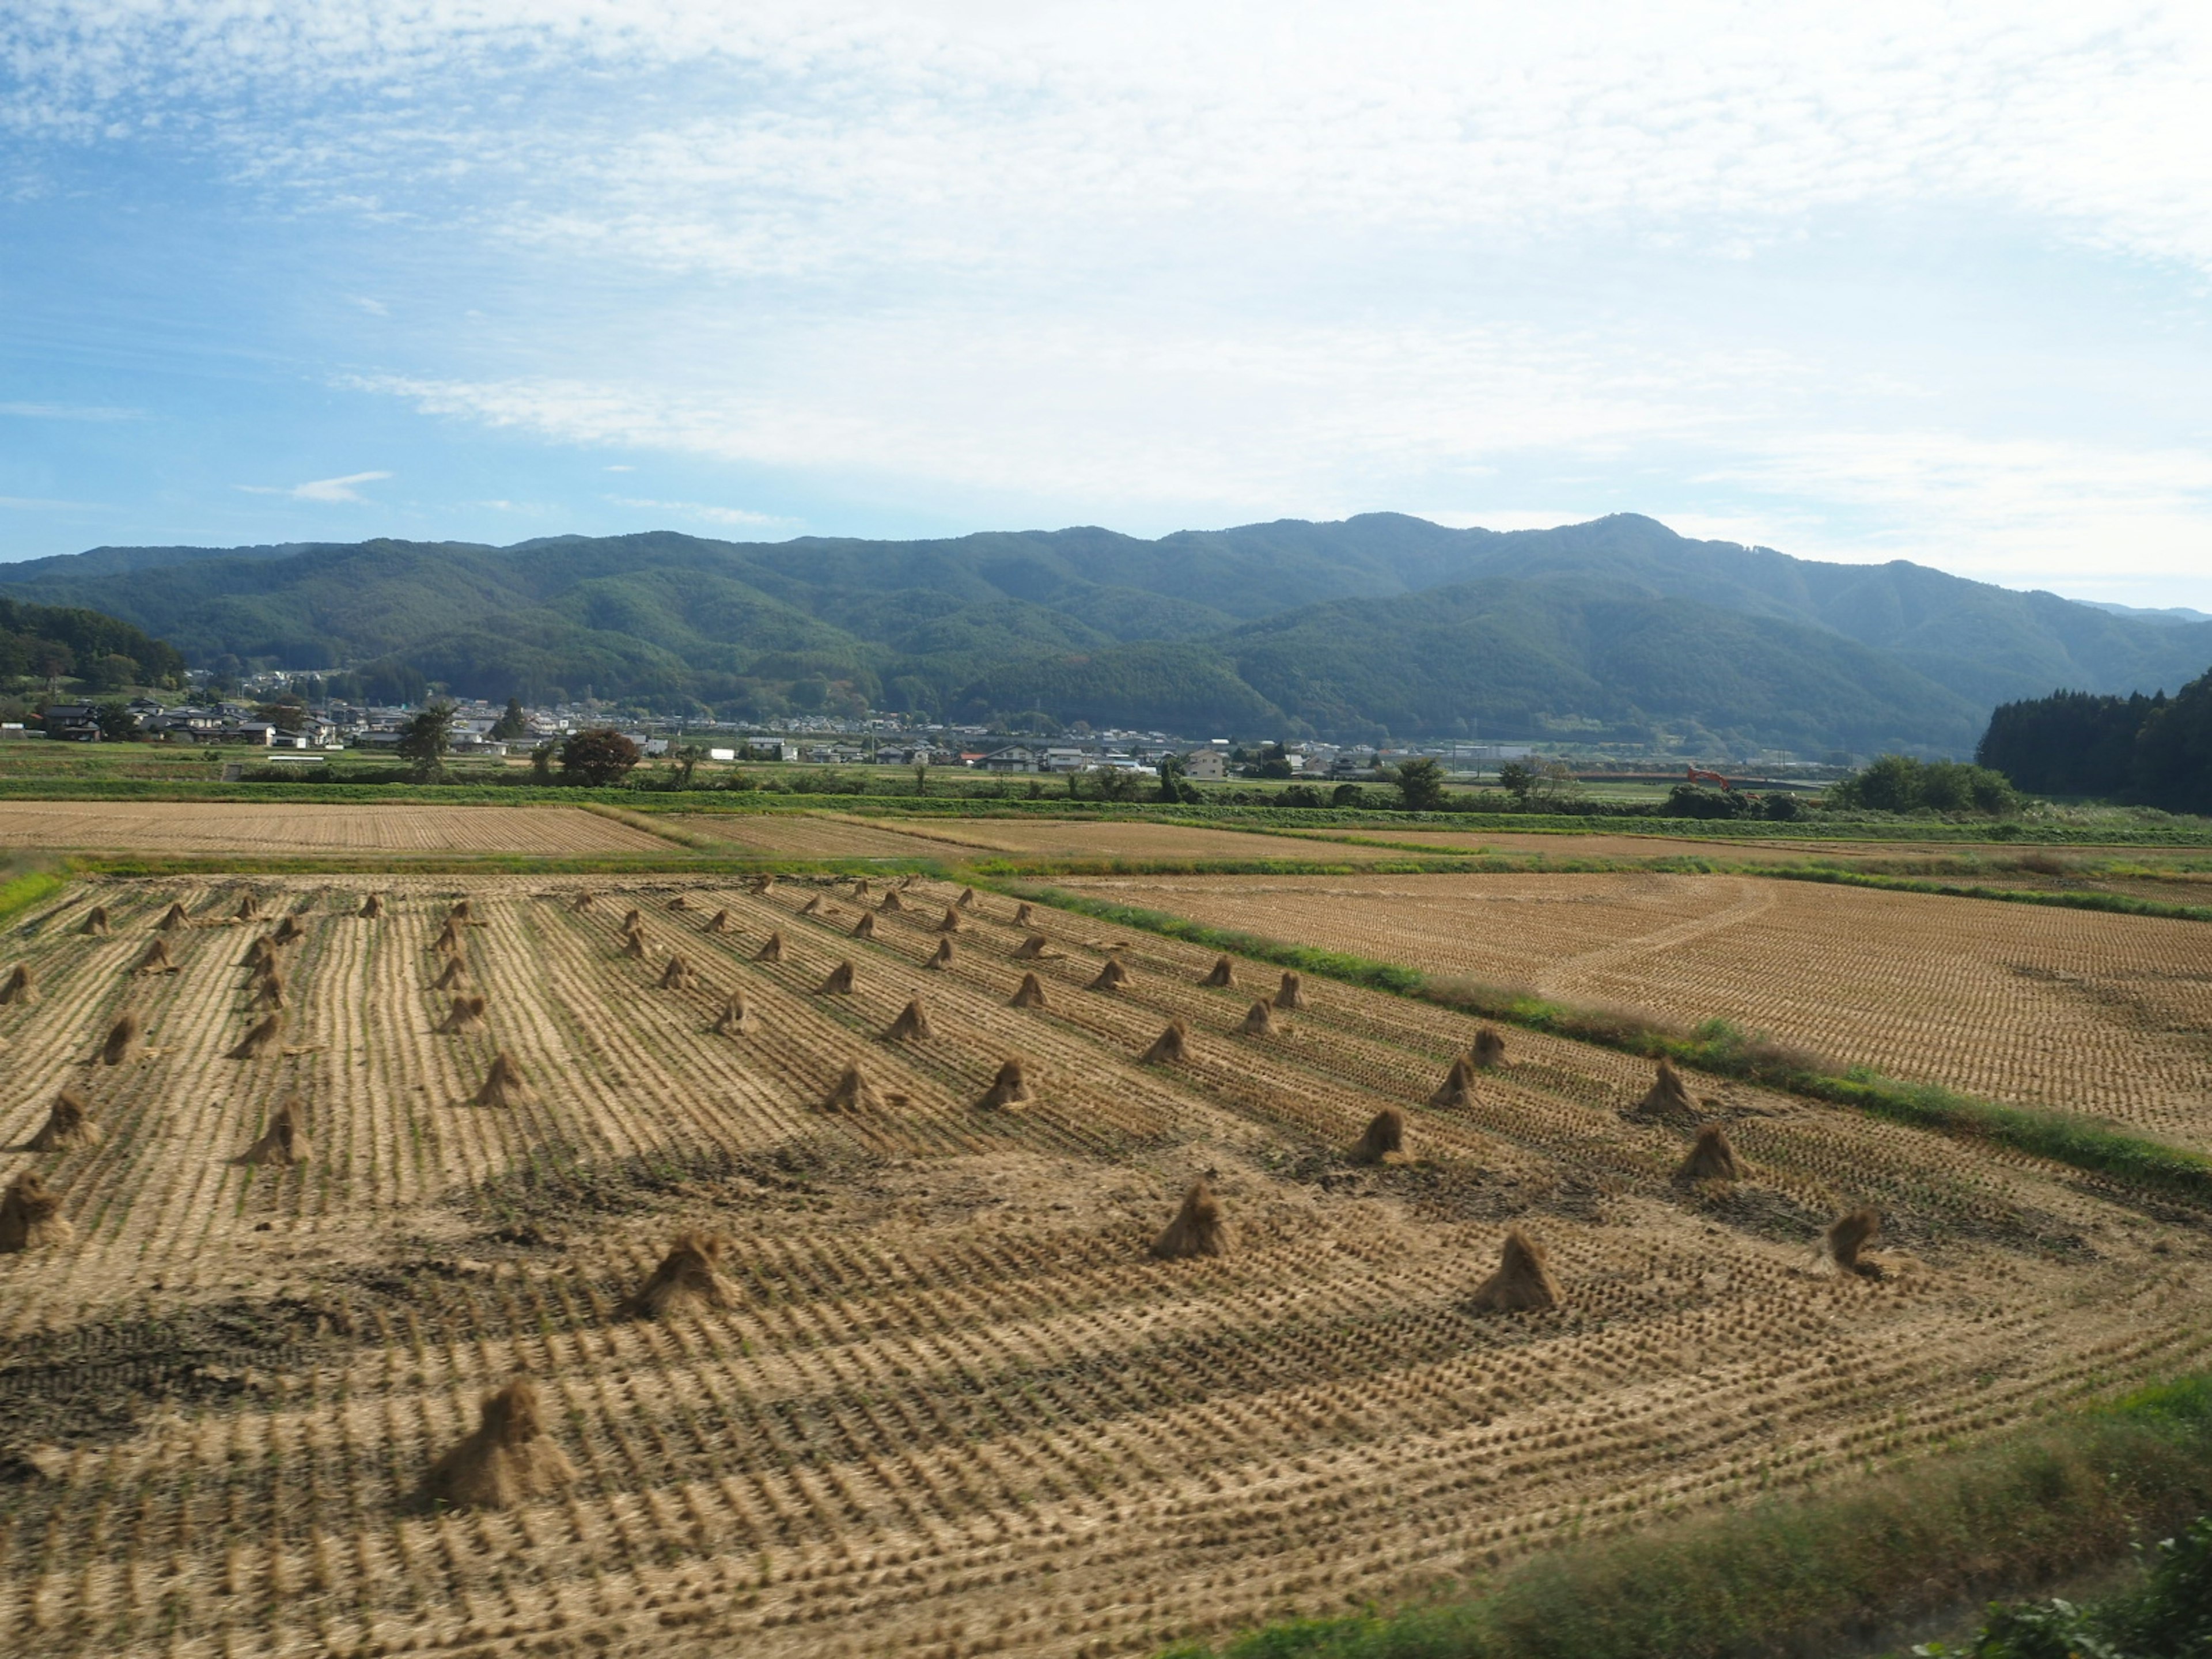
(1205, 765)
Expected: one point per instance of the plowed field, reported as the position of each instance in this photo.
(159, 827)
(2105, 1014)
(811, 834)
(955, 1407)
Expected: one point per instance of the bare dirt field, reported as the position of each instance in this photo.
(810, 834)
(243, 827)
(952, 1406)
(2105, 1014)
(2010, 862)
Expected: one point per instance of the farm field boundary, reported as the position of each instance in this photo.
(1919, 1540)
(1714, 1046)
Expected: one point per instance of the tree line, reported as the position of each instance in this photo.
(2152, 751)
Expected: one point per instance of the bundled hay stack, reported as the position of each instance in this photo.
(1385, 1138)
(452, 976)
(717, 923)
(284, 1141)
(461, 911)
(249, 909)
(20, 986)
(1489, 1049)
(1456, 1093)
(448, 942)
(632, 921)
(966, 900)
(1171, 1046)
(1523, 1283)
(892, 904)
(121, 1047)
(288, 930)
(852, 1092)
(812, 904)
(763, 885)
(259, 955)
(1035, 948)
(155, 961)
(1666, 1100)
(1289, 996)
(172, 918)
(371, 907)
(1198, 1228)
(942, 957)
(677, 975)
(1840, 1247)
(1711, 1159)
(584, 900)
(1010, 1088)
(467, 1014)
(951, 924)
(736, 1019)
(1259, 1020)
(259, 1040)
(1223, 972)
(861, 888)
(633, 946)
(685, 1282)
(1029, 993)
(772, 950)
(95, 922)
(679, 902)
(502, 1084)
(1111, 977)
(268, 991)
(1021, 915)
(839, 983)
(69, 1123)
(509, 1457)
(30, 1216)
(865, 926)
(911, 1025)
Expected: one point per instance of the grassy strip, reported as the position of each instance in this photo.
(20, 892)
(1715, 1046)
(1800, 1573)
(2120, 904)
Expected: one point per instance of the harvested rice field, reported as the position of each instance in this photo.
(931, 1394)
(2110, 1015)
(816, 835)
(2003, 861)
(243, 827)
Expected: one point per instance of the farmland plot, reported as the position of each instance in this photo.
(812, 835)
(2091, 1012)
(243, 827)
(953, 1405)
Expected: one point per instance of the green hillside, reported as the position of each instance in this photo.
(1382, 622)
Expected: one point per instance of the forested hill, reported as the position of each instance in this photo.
(1381, 622)
(40, 641)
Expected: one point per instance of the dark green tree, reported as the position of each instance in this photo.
(597, 757)
(425, 739)
(117, 723)
(1420, 783)
(512, 723)
(1517, 778)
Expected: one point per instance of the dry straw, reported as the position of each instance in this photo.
(69, 1123)
(584, 900)
(259, 1040)
(249, 909)
(737, 1018)
(371, 907)
(967, 901)
(717, 923)
(892, 903)
(632, 921)
(861, 888)
(509, 1458)
(839, 983)
(284, 1141)
(687, 1281)
(172, 918)
(951, 924)
(1022, 914)
(679, 902)
(1489, 1049)
(633, 946)
(1259, 1020)
(288, 930)
(94, 922)
(1711, 1159)
(1666, 1100)
(1385, 1138)
(1010, 1088)
(1844, 1240)
(1456, 1091)
(122, 1046)
(1172, 1045)
(812, 904)
(1198, 1228)
(20, 986)
(865, 926)
(1112, 976)
(1223, 972)
(1522, 1283)
(1035, 948)
(461, 911)
(911, 1025)
(942, 957)
(1029, 993)
(259, 954)
(772, 950)
(155, 961)
(30, 1216)
(467, 1014)
(677, 975)
(763, 885)
(452, 976)
(503, 1084)
(268, 991)
(852, 1092)
(1290, 995)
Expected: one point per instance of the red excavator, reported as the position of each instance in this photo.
(1696, 777)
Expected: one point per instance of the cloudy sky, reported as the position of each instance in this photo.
(1861, 283)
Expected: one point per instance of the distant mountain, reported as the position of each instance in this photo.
(1378, 624)
(2172, 613)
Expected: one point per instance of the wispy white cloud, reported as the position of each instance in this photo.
(71, 412)
(729, 515)
(320, 489)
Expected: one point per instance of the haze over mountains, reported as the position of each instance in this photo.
(1612, 630)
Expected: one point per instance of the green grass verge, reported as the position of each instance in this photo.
(2119, 904)
(1715, 1046)
(20, 892)
(1810, 1572)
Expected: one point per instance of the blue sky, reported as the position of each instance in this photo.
(1863, 282)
